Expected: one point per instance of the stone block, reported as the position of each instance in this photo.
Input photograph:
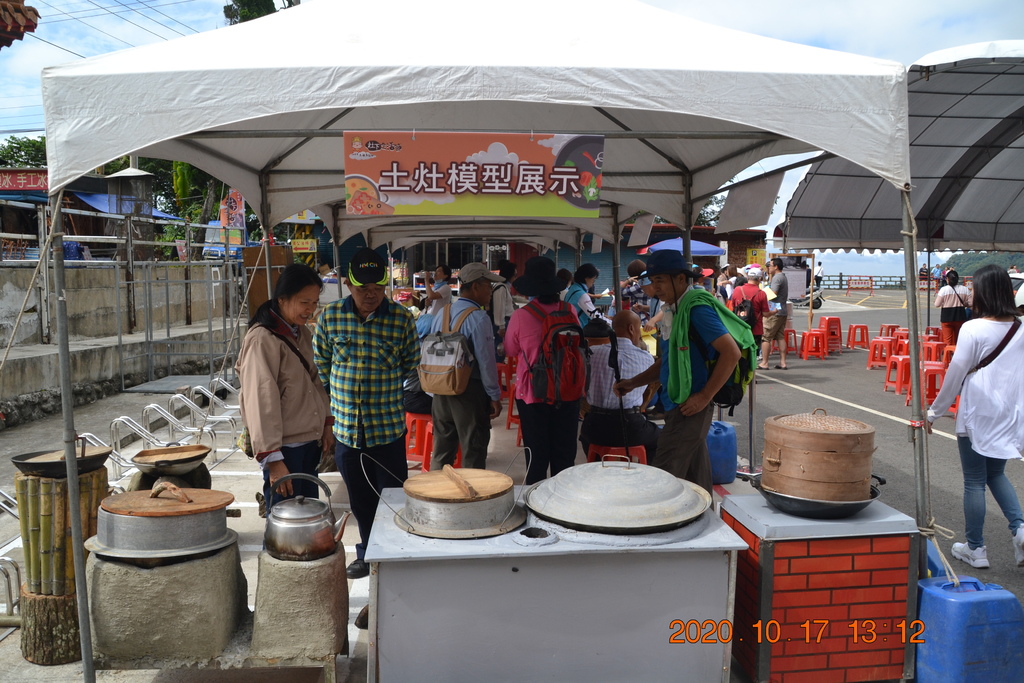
(301, 607)
(185, 611)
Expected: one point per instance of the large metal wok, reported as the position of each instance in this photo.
(51, 463)
(171, 460)
(813, 509)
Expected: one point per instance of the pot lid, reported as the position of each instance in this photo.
(822, 422)
(299, 509)
(450, 485)
(143, 504)
(617, 497)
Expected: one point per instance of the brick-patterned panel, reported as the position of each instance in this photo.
(875, 673)
(820, 676)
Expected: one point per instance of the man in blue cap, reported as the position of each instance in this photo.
(693, 337)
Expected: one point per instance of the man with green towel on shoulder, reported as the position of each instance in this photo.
(691, 319)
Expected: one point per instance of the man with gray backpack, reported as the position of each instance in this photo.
(462, 410)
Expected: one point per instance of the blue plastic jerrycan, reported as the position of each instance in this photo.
(722, 448)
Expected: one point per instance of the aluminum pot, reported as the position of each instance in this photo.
(300, 528)
(170, 460)
(148, 526)
(460, 503)
(615, 497)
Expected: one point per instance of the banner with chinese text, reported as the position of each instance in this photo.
(473, 174)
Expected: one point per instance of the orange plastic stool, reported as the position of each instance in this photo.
(505, 378)
(888, 330)
(879, 352)
(901, 333)
(833, 328)
(932, 374)
(511, 417)
(428, 450)
(932, 351)
(901, 347)
(857, 335)
(937, 331)
(416, 435)
(947, 354)
(636, 453)
(813, 344)
(901, 364)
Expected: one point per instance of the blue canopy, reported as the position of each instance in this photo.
(697, 248)
(103, 204)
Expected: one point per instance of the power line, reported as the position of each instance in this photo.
(90, 26)
(154, 9)
(106, 9)
(88, 13)
(56, 45)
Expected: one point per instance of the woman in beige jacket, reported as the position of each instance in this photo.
(283, 402)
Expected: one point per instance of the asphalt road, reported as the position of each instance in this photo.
(842, 386)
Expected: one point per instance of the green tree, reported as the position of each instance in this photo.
(238, 11)
(18, 152)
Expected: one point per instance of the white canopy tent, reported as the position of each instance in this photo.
(681, 116)
(967, 161)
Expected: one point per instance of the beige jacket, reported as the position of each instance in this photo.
(281, 403)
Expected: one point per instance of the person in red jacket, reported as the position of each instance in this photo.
(752, 292)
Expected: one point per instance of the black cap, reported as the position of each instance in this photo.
(367, 267)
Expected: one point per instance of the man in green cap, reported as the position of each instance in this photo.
(364, 347)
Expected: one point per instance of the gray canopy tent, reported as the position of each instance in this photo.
(679, 117)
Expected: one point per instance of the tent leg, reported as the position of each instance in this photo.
(917, 433)
(70, 437)
(616, 259)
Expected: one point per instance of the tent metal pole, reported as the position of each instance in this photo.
(67, 400)
(579, 250)
(917, 432)
(268, 235)
(616, 259)
(688, 216)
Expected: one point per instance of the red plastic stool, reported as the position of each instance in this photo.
(511, 417)
(937, 331)
(932, 374)
(428, 450)
(505, 380)
(813, 344)
(879, 352)
(901, 364)
(416, 436)
(857, 335)
(947, 354)
(636, 453)
(833, 328)
(888, 330)
(932, 351)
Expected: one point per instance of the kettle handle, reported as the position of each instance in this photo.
(296, 475)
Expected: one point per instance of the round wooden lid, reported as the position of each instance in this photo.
(140, 504)
(452, 485)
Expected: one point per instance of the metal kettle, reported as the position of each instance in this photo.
(301, 528)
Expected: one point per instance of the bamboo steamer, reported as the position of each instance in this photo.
(818, 456)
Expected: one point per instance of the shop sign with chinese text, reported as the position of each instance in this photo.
(23, 180)
(472, 174)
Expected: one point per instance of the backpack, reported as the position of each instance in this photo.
(446, 361)
(561, 371)
(731, 393)
(745, 311)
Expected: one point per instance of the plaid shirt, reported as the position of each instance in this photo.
(364, 363)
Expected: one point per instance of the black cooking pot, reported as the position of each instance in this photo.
(811, 508)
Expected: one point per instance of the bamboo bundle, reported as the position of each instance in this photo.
(46, 536)
(33, 534)
(45, 517)
(61, 537)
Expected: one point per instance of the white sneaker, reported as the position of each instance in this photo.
(976, 558)
(1018, 546)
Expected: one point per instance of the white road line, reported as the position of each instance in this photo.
(854, 405)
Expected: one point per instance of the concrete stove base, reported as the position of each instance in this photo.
(188, 610)
(301, 607)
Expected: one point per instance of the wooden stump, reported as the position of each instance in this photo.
(49, 628)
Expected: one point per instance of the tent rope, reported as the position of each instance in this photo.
(929, 533)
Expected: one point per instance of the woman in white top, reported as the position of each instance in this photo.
(990, 419)
(725, 282)
(954, 299)
(441, 294)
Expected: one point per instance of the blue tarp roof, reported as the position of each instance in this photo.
(101, 202)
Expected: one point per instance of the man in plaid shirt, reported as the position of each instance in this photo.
(364, 347)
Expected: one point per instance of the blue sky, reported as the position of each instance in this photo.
(902, 31)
